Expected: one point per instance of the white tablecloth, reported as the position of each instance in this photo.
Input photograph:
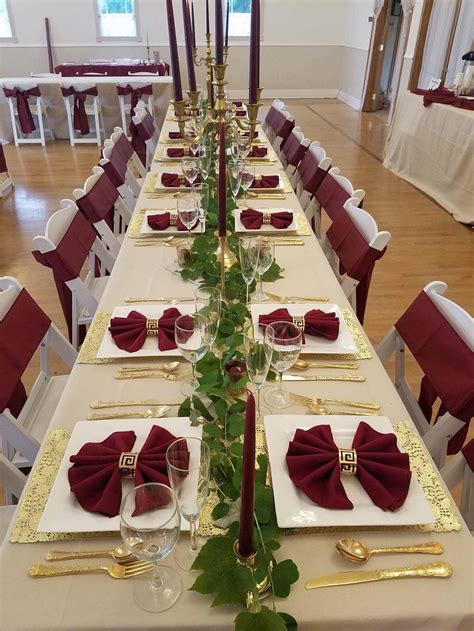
(433, 148)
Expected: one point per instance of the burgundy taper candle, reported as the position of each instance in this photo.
(253, 55)
(178, 92)
(208, 24)
(257, 44)
(247, 493)
(193, 24)
(222, 184)
(226, 41)
(189, 46)
(219, 33)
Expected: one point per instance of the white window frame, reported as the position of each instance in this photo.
(102, 38)
(244, 38)
(14, 37)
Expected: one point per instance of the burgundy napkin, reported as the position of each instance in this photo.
(241, 112)
(246, 134)
(253, 219)
(176, 180)
(179, 152)
(238, 103)
(266, 181)
(258, 152)
(95, 476)
(317, 322)
(162, 221)
(130, 333)
(446, 97)
(174, 135)
(383, 471)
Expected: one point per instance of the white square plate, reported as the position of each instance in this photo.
(344, 343)
(295, 510)
(109, 349)
(145, 228)
(170, 189)
(63, 512)
(280, 187)
(239, 226)
(173, 158)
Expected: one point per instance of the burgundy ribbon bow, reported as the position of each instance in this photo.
(163, 221)
(180, 152)
(175, 180)
(316, 322)
(135, 93)
(25, 116)
(266, 181)
(258, 152)
(80, 120)
(313, 462)
(254, 219)
(95, 477)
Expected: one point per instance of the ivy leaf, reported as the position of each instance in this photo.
(283, 575)
(232, 516)
(237, 449)
(220, 510)
(185, 408)
(290, 622)
(238, 407)
(235, 425)
(263, 503)
(199, 405)
(213, 430)
(220, 407)
(273, 273)
(264, 620)
(261, 472)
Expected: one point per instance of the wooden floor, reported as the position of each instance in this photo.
(427, 243)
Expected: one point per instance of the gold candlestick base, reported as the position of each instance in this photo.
(263, 587)
(229, 257)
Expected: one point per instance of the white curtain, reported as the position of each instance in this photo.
(436, 41)
(463, 40)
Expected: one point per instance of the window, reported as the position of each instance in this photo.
(6, 25)
(117, 19)
(239, 18)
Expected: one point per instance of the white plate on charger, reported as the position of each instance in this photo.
(267, 228)
(63, 512)
(277, 189)
(294, 509)
(145, 228)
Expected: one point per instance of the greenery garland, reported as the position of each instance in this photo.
(224, 423)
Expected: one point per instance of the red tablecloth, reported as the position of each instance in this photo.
(114, 70)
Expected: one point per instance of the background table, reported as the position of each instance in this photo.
(111, 68)
(433, 148)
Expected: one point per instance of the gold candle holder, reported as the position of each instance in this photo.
(263, 588)
(220, 105)
(193, 97)
(226, 256)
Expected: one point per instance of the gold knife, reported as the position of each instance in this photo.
(439, 569)
(357, 378)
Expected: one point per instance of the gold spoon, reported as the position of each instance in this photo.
(119, 554)
(301, 364)
(355, 551)
(151, 413)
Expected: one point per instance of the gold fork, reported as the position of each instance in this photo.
(294, 299)
(143, 374)
(115, 570)
(317, 401)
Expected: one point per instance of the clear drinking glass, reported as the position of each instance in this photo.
(190, 168)
(208, 301)
(286, 339)
(188, 212)
(151, 536)
(244, 146)
(201, 199)
(192, 337)
(248, 256)
(266, 256)
(205, 161)
(189, 480)
(258, 356)
(235, 177)
(247, 178)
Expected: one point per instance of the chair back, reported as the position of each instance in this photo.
(334, 191)
(274, 108)
(97, 198)
(143, 130)
(21, 92)
(75, 94)
(134, 89)
(295, 148)
(311, 172)
(282, 125)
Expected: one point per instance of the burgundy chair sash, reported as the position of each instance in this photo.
(310, 173)
(21, 331)
(3, 162)
(123, 147)
(356, 257)
(80, 121)
(139, 137)
(25, 116)
(115, 169)
(332, 197)
(294, 150)
(283, 127)
(135, 93)
(67, 260)
(446, 360)
(98, 203)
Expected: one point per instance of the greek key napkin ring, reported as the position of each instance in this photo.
(348, 461)
(152, 326)
(128, 464)
(267, 217)
(173, 219)
(299, 322)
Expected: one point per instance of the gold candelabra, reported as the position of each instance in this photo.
(263, 587)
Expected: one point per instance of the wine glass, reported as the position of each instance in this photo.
(235, 176)
(189, 479)
(190, 168)
(188, 212)
(205, 161)
(286, 338)
(201, 199)
(266, 256)
(244, 146)
(258, 356)
(248, 256)
(192, 338)
(208, 301)
(150, 522)
(247, 178)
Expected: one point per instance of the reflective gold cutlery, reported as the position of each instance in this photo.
(119, 554)
(168, 301)
(301, 364)
(353, 378)
(169, 367)
(152, 242)
(100, 405)
(115, 570)
(355, 551)
(144, 374)
(151, 413)
(266, 195)
(318, 401)
(295, 299)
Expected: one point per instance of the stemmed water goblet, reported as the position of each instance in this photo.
(244, 146)
(192, 338)
(204, 161)
(208, 302)
(190, 168)
(235, 177)
(266, 256)
(201, 199)
(188, 212)
(286, 339)
(258, 355)
(150, 522)
(247, 178)
(248, 256)
(189, 479)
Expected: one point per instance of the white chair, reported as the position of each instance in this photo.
(77, 109)
(306, 174)
(68, 230)
(13, 480)
(266, 125)
(294, 150)
(126, 103)
(22, 436)
(123, 166)
(35, 106)
(146, 131)
(460, 469)
(282, 127)
(435, 436)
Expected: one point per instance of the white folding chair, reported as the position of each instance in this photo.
(282, 127)
(147, 131)
(36, 106)
(92, 108)
(460, 469)
(13, 480)
(277, 105)
(294, 150)
(125, 104)
(116, 167)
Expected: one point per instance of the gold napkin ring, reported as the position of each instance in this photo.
(173, 219)
(152, 326)
(348, 461)
(258, 178)
(299, 322)
(267, 217)
(128, 463)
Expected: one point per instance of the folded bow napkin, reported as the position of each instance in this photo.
(241, 112)
(246, 134)
(258, 152)
(383, 471)
(174, 135)
(238, 103)
(180, 152)
(176, 180)
(130, 333)
(266, 181)
(165, 220)
(254, 219)
(315, 322)
(95, 477)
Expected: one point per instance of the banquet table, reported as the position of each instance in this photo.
(433, 148)
(93, 602)
(113, 69)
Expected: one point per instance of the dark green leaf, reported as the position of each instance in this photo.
(264, 620)
(283, 575)
(199, 405)
(220, 510)
(213, 430)
(184, 408)
(236, 449)
(290, 622)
